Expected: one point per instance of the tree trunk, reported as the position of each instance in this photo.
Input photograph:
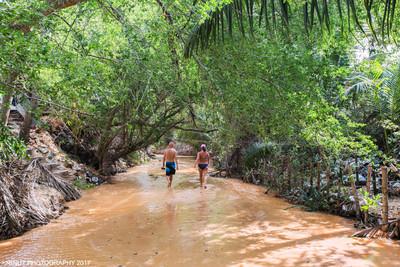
(374, 186)
(340, 174)
(318, 176)
(108, 166)
(108, 159)
(369, 176)
(357, 173)
(356, 199)
(26, 126)
(5, 107)
(385, 204)
(311, 175)
(289, 174)
(328, 176)
(6, 101)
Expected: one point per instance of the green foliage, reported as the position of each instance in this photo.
(257, 152)
(286, 93)
(195, 139)
(315, 200)
(115, 72)
(369, 202)
(372, 99)
(219, 18)
(81, 183)
(109, 72)
(136, 157)
(11, 148)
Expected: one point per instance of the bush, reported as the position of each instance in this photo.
(81, 183)
(11, 147)
(257, 152)
(315, 200)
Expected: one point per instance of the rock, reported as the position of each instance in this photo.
(77, 167)
(29, 151)
(395, 188)
(68, 164)
(91, 178)
(121, 165)
(51, 155)
(396, 185)
(42, 149)
(393, 168)
(361, 180)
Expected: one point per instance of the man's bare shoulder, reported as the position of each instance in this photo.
(170, 150)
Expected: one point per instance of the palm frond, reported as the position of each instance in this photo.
(359, 84)
(243, 13)
(381, 90)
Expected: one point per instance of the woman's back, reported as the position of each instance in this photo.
(203, 157)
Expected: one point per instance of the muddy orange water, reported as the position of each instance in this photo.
(138, 222)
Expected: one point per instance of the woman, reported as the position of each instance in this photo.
(202, 161)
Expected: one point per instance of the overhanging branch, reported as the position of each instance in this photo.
(196, 130)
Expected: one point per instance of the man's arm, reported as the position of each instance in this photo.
(176, 160)
(163, 161)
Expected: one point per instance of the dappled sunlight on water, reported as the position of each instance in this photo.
(136, 221)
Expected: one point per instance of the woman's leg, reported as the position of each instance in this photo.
(205, 177)
(201, 177)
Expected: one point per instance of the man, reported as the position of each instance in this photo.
(170, 162)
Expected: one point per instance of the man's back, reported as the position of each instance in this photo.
(170, 154)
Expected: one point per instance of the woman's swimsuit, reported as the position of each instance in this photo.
(203, 166)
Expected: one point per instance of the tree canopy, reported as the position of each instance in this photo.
(286, 72)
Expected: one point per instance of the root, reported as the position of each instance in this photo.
(219, 173)
(390, 230)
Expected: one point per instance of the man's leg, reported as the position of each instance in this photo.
(170, 181)
(167, 175)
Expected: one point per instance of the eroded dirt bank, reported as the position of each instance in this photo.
(138, 222)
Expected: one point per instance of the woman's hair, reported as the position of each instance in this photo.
(203, 147)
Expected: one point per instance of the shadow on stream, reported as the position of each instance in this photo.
(138, 222)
